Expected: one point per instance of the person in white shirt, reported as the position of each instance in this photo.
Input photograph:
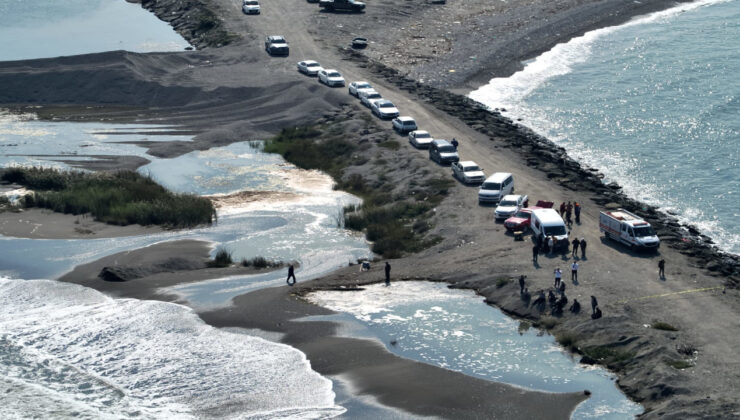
(574, 272)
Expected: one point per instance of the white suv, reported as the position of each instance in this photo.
(468, 172)
(331, 78)
(404, 124)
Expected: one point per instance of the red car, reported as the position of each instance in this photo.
(520, 221)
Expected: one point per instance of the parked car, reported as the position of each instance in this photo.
(367, 97)
(404, 125)
(309, 67)
(359, 43)
(342, 5)
(468, 172)
(251, 7)
(442, 151)
(331, 78)
(384, 109)
(495, 187)
(356, 87)
(277, 45)
(510, 205)
(420, 139)
(520, 221)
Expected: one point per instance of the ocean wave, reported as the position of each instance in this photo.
(70, 351)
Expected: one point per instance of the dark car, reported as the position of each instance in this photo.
(276, 45)
(359, 43)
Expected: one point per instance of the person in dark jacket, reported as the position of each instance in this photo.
(291, 274)
(661, 269)
(455, 143)
(594, 304)
(577, 211)
(387, 273)
(583, 247)
(576, 243)
(575, 307)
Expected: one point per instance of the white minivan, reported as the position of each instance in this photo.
(547, 222)
(495, 187)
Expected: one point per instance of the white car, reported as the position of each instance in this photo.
(331, 78)
(510, 205)
(251, 7)
(420, 139)
(468, 172)
(384, 109)
(404, 124)
(309, 67)
(367, 97)
(356, 87)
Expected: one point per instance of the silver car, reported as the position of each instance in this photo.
(367, 97)
(331, 78)
(356, 87)
(384, 109)
(420, 139)
(468, 172)
(309, 67)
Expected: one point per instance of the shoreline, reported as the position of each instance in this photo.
(552, 160)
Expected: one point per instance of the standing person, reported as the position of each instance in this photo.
(661, 269)
(521, 284)
(562, 288)
(291, 274)
(535, 252)
(574, 272)
(455, 143)
(558, 277)
(550, 244)
(594, 304)
(576, 244)
(577, 210)
(583, 247)
(562, 209)
(387, 273)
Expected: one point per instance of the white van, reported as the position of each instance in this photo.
(547, 222)
(495, 187)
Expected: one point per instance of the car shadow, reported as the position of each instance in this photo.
(624, 249)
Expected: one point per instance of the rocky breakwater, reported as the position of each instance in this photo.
(542, 154)
(194, 20)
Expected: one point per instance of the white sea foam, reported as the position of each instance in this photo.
(506, 92)
(66, 351)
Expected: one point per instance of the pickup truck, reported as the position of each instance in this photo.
(623, 226)
(510, 205)
(342, 5)
(276, 45)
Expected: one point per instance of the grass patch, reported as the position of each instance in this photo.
(679, 364)
(120, 198)
(524, 326)
(502, 281)
(396, 223)
(547, 322)
(568, 340)
(260, 263)
(663, 326)
(222, 258)
(607, 354)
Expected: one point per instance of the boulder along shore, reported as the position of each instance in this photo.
(230, 91)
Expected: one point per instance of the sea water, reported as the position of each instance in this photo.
(455, 330)
(654, 104)
(52, 28)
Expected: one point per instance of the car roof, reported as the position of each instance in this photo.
(511, 197)
(405, 119)
(441, 142)
(331, 71)
(361, 82)
(276, 37)
(468, 163)
(310, 62)
(417, 132)
(498, 177)
(548, 216)
(383, 101)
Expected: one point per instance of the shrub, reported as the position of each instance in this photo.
(567, 340)
(260, 262)
(679, 364)
(663, 326)
(502, 281)
(548, 322)
(222, 258)
(606, 354)
(120, 198)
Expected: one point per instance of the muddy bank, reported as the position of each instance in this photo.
(195, 20)
(545, 156)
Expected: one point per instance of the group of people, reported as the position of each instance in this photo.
(549, 243)
(567, 210)
(557, 302)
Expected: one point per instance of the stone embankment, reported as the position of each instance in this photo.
(194, 20)
(542, 154)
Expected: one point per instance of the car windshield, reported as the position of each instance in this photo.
(523, 214)
(423, 136)
(312, 64)
(554, 230)
(251, 3)
(278, 40)
(491, 186)
(364, 86)
(385, 105)
(471, 168)
(448, 148)
(643, 231)
(335, 74)
(507, 203)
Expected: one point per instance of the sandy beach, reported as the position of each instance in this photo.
(236, 92)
